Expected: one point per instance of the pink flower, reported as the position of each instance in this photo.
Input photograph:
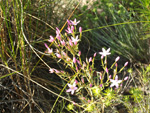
(109, 76)
(58, 37)
(82, 79)
(105, 52)
(64, 53)
(126, 78)
(74, 22)
(76, 81)
(90, 59)
(100, 85)
(79, 53)
(74, 60)
(51, 39)
(79, 65)
(126, 64)
(94, 54)
(106, 70)
(56, 71)
(121, 85)
(63, 43)
(51, 70)
(90, 85)
(72, 88)
(70, 42)
(58, 55)
(69, 30)
(77, 69)
(57, 31)
(80, 29)
(83, 98)
(75, 40)
(115, 82)
(58, 34)
(50, 51)
(68, 59)
(117, 59)
(62, 72)
(116, 64)
(69, 23)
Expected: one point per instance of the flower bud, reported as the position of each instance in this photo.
(117, 59)
(126, 64)
(74, 60)
(126, 78)
(76, 68)
(90, 85)
(79, 53)
(82, 79)
(90, 59)
(80, 29)
(76, 81)
(94, 54)
(106, 70)
(100, 77)
(100, 85)
(116, 64)
(109, 76)
(58, 55)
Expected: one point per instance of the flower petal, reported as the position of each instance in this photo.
(119, 81)
(72, 92)
(116, 78)
(69, 90)
(74, 84)
(117, 85)
(69, 85)
(112, 85)
(75, 88)
(108, 50)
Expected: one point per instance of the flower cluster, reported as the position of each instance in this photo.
(85, 76)
(65, 44)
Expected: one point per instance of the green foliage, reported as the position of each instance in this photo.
(24, 26)
(70, 107)
(136, 94)
(139, 95)
(109, 23)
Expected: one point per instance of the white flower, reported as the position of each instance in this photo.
(75, 40)
(72, 88)
(115, 82)
(75, 22)
(105, 52)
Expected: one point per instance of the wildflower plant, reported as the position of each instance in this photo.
(92, 88)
